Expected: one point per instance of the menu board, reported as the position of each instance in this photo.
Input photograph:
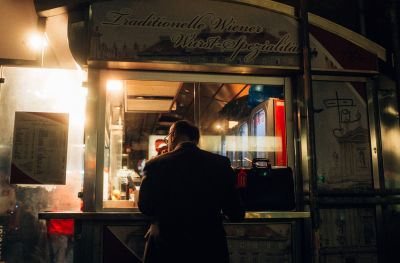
(39, 153)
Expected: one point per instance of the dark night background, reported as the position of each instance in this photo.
(370, 18)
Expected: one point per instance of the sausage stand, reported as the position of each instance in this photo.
(263, 81)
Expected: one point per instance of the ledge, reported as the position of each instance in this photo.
(141, 217)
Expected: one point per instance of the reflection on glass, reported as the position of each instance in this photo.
(342, 139)
(233, 122)
(390, 134)
(259, 131)
(39, 90)
(243, 154)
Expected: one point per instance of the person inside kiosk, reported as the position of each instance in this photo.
(246, 123)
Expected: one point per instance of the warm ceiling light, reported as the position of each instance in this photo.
(114, 85)
(232, 124)
(218, 126)
(37, 41)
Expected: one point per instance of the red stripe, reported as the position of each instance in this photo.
(280, 131)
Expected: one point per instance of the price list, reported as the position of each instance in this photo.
(39, 148)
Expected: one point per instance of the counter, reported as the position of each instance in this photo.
(268, 236)
(140, 216)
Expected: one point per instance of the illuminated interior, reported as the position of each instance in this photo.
(240, 121)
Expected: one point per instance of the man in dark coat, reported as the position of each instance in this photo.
(184, 191)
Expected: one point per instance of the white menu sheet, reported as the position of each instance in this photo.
(40, 143)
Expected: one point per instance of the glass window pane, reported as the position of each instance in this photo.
(342, 139)
(244, 142)
(235, 120)
(25, 238)
(43, 90)
(241, 123)
(390, 134)
(259, 126)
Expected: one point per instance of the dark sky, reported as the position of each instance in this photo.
(347, 14)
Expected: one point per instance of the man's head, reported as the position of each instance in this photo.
(182, 131)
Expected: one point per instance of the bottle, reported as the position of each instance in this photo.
(130, 194)
(123, 177)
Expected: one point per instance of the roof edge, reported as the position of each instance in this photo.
(46, 7)
(323, 23)
(348, 34)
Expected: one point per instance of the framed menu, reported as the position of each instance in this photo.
(39, 154)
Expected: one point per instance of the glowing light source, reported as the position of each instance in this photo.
(232, 124)
(37, 41)
(114, 85)
(84, 91)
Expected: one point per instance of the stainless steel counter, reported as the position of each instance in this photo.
(140, 217)
(277, 215)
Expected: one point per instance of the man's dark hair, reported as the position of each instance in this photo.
(186, 128)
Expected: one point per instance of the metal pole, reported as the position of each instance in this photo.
(361, 16)
(308, 114)
(93, 105)
(42, 30)
(196, 108)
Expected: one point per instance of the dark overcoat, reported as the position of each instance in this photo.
(184, 191)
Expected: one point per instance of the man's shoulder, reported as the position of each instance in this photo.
(160, 159)
(214, 156)
(178, 155)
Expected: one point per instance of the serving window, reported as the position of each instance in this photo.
(237, 120)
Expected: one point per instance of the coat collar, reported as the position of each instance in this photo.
(185, 145)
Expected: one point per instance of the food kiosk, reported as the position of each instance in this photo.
(261, 80)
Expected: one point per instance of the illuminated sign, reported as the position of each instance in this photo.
(206, 32)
